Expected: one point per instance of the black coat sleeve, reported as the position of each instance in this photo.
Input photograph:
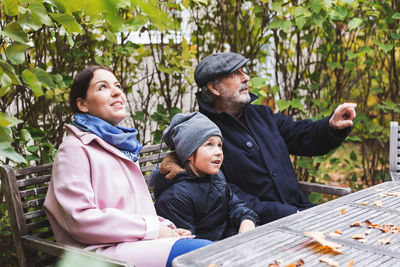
(309, 138)
(180, 210)
(267, 211)
(238, 211)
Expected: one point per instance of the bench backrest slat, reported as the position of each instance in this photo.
(394, 151)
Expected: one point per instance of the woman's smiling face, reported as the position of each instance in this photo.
(104, 99)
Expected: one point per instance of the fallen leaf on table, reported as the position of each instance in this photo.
(291, 265)
(368, 232)
(368, 223)
(275, 264)
(342, 211)
(350, 263)
(300, 262)
(329, 261)
(378, 203)
(356, 224)
(338, 232)
(320, 238)
(363, 203)
(393, 194)
(384, 241)
(215, 265)
(358, 236)
(382, 195)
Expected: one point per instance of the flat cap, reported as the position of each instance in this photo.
(217, 65)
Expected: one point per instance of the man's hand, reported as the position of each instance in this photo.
(343, 116)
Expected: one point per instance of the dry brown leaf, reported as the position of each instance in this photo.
(358, 236)
(320, 238)
(393, 194)
(338, 232)
(384, 241)
(378, 203)
(382, 195)
(300, 262)
(291, 265)
(356, 224)
(351, 263)
(363, 203)
(342, 211)
(273, 265)
(329, 261)
(368, 223)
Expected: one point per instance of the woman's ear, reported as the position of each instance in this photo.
(81, 105)
(213, 89)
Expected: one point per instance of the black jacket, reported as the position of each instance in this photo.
(204, 205)
(256, 155)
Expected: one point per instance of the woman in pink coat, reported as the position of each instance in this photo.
(98, 198)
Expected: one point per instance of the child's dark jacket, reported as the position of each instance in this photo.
(204, 205)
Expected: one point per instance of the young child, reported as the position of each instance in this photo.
(189, 191)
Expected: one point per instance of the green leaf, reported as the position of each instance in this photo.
(286, 24)
(348, 65)
(395, 36)
(67, 21)
(276, 23)
(44, 78)
(258, 82)
(8, 121)
(396, 15)
(39, 14)
(351, 55)
(9, 71)
(136, 23)
(316, 6)
(14, 31)
(139, 116)
(31, 79)
(5, 134)
(164, 69)
(366, 49)
(16, 53)
(26, 20)
(276, 6)
(354, 23)
(8, 151)
(300, 22)
(385, 47)
(335, 65)
(282, 104)
(11, 7)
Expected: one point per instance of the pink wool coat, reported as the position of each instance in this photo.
(98, 199)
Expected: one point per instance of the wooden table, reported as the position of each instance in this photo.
(284, 240)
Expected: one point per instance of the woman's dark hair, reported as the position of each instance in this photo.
(81, 85)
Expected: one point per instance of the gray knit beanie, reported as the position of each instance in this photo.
(187, 132)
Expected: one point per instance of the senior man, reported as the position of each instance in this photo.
(257, 142)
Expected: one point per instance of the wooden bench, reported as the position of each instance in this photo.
(394, 151)
(25, 190)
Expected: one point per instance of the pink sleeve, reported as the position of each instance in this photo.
(79, 213)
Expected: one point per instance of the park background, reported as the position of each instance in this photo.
(306, 57)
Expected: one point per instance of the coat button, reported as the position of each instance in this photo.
(249, 144)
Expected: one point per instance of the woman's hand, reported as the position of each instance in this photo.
(182, 232)
(246, 225)
(165, 231)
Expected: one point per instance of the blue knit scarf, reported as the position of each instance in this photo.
(122, 138)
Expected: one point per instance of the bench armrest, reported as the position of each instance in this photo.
(58, 250)
(324, 189)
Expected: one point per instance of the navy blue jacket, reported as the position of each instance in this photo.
(204, 205)
(256, 155)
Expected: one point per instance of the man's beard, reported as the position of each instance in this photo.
(233, 102)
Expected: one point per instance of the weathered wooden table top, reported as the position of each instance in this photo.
(284, 240)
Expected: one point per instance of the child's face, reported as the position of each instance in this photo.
(208, 157)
